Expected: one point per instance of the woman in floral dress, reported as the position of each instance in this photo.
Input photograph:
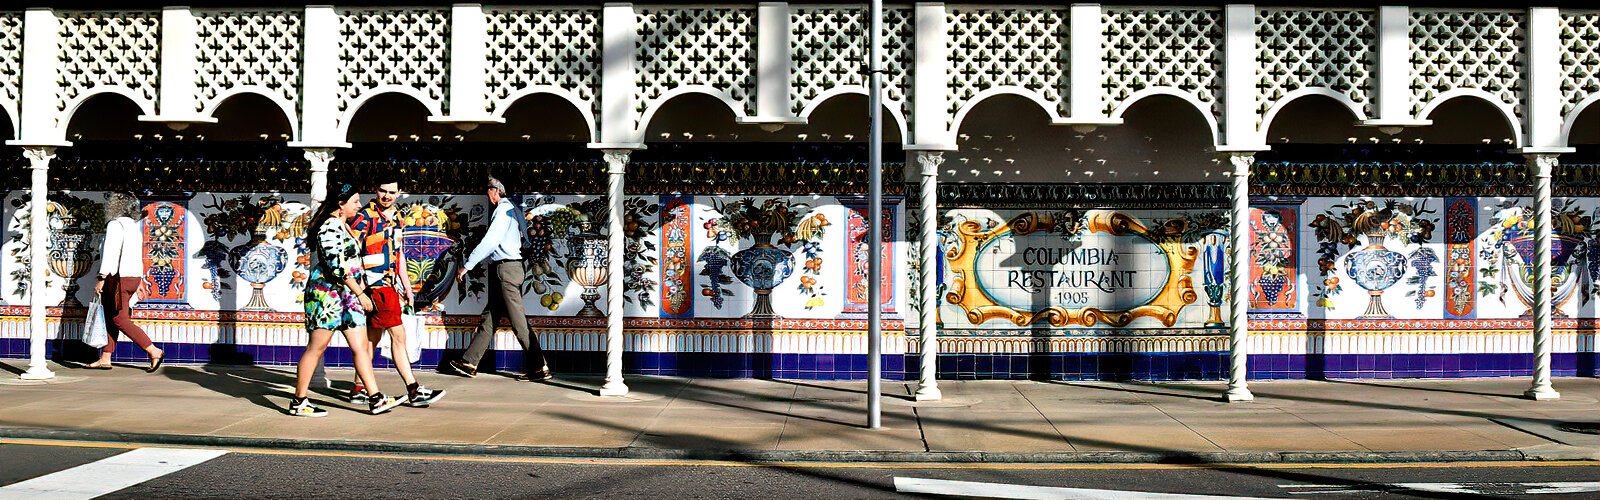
(335, 300)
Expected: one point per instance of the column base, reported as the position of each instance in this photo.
(928, 393)
(616, 388)
(1239, 395)
(1545, 393)
(38, 371)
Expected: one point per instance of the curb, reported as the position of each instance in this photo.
(645, 453)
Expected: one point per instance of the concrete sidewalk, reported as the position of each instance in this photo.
(666, 417)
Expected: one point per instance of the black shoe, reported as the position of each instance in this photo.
(377, 403)
(421, 397)
(357, 394)
(302, 407)
(462, 368)
(538, 376)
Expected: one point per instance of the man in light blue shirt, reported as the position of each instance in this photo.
(502, 248)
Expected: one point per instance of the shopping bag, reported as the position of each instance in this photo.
(94, 326)
(415, 331)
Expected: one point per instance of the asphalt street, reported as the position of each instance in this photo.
(276, 474)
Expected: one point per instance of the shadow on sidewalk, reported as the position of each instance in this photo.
(863, 392)
(1209, 394)
(1410, 387)
(264, 388)
(722, 449)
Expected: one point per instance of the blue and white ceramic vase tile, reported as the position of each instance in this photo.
(257, 262)
(1214, 269)
(762, 267)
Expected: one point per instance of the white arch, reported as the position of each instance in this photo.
(355, 105)
(1189, 97)
(895, 113)
(209, 108)
(147, 107)
(1507, 111)
(584, 108)
(656, 104)
(1572, 118)
(1049, 108)
(1272, 113)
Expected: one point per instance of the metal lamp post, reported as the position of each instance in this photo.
(875, 207)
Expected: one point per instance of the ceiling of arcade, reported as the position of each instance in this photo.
(1086, 93)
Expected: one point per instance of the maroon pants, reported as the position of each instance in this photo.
(114, 298)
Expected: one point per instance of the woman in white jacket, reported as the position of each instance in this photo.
(121, 276)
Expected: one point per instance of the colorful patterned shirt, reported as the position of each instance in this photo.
(379, 233)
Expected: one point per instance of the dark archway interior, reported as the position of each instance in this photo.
(1314, 119)
(1009, 139)
(396, 117)
(113, 117)
(1586, 127)
(247, 117)
(536, 118)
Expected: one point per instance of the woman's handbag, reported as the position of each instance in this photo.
(94, 326)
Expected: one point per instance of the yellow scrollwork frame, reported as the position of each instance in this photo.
(980, 307)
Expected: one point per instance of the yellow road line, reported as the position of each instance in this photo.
(801, 465)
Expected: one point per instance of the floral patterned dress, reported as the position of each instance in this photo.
(329, 304)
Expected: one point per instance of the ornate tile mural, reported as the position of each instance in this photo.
(1274, 276)
(1137, 269)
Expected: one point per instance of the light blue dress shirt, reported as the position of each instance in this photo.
(503, 241)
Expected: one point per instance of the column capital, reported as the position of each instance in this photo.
(616, 160)
(319, 158)
(1542, 164)
(930, 161)
(1242, 161)
(39, 156)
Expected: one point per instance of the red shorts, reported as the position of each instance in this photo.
(386, 305)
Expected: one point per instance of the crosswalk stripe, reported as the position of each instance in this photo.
(1026, 492)
(105, 476)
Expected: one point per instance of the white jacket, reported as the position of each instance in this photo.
(123, 254)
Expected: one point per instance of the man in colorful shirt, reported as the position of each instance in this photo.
(377, 228)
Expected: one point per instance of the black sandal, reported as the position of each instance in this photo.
(155, 363)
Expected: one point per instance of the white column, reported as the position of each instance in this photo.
(928, 239)
(1542, 96)
(929, 83)
(319, 80)
(1542, 166)
(39, 158)
(179, 88)
(773, 68)
(619, 33)
(38, 112)
(1392, 78)
(319, 159)
(1087, 98)
(469, 69)
(616, 165)
(1239, 89)
(1239, 277)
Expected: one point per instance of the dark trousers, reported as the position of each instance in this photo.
(504, 295)
(114, 295)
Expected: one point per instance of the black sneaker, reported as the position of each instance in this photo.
(377, 403)
(421, 397)
(302, 407)
(357, 394)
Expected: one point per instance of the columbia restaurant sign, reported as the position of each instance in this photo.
(1093, 268)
